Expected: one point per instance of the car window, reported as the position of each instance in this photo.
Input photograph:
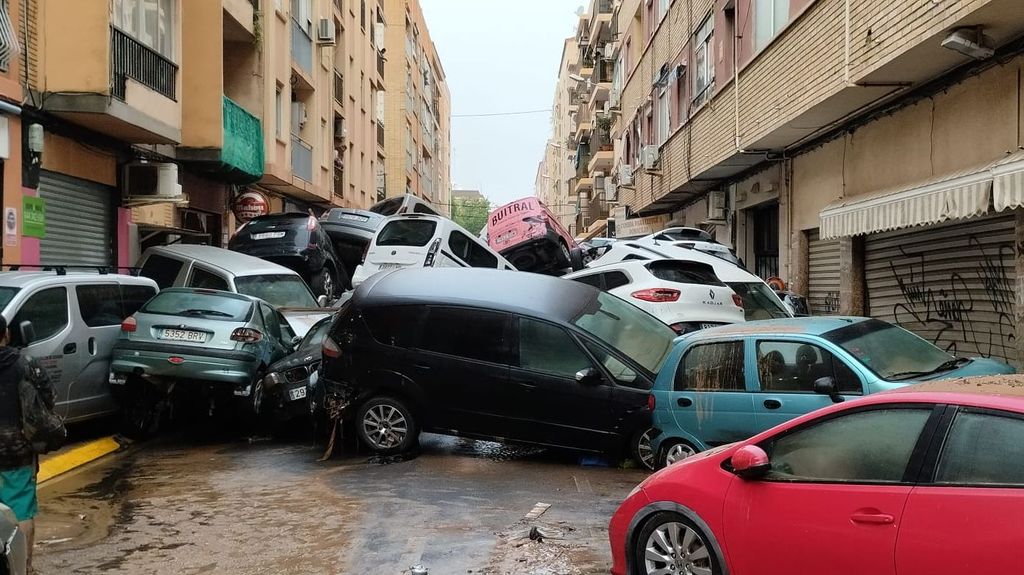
(469, 333)
(315, 337)
(591, 280)
(279, 290)
(865, 446)
(712, 367)
(620, 372)
(684, 272)
(423, 209)
(627, 329)
(6, 295)
(759, 302)
(209, 305)
(48, 312)
(407, 232)
(982, 449)
(162, 270)
(134, 297)
(100, 305)
(788, 366)
(271, 321)
(200, 278)
(470, 252)
(394, 325)
(635, 257)
(614, 280)
(550, 349)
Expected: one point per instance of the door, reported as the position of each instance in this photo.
(968, 519)
(461, 366)
(469, 253)
(833, 500)
(544, 399)
(786, 372)
(823, 273)
(711, 400)
(630, 395)
(79, 221)
(100, 309)
(56, 347)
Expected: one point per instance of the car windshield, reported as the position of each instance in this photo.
(407, 232)
(684, 272)
(279, 290)
(6, 295)
(204, 304)
(759, 302)
(890, 351)
(316, 334)
(628, 329)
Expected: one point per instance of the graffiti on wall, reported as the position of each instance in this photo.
(951, 308)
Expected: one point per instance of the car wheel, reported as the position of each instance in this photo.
(387, 425)
(642, 450)
(669, 543)
(325, 283)
(674, 452)
(142, 414)
(566, 256)
(576, 259)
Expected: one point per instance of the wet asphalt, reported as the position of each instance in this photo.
(199, 501)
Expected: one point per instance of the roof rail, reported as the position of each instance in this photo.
(62, 269)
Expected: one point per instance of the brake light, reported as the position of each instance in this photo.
(432, 253)
(679, 328)
(651, 402)
(246, 335)
(736, 299)
(330, 349)
(129, 325)
(657, 295)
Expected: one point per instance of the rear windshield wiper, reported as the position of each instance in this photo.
(205, 312)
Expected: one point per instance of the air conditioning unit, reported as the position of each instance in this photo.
(716, 206)
(650, 155)
(325, 33)
(611, 191)
(609, 51)
(298, 114)
(614, 97)
(625, 175)
(151, 183)
(340, 131)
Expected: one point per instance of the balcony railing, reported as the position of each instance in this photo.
(130, 58)
(380, 64)
(339, 88)
(380, 134)
(339, 182)
(302, 159)
(604, 7)
(243, 154)
(302, 48)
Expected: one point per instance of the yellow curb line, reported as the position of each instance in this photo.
(77, 457)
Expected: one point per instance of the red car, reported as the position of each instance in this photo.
(927, 479)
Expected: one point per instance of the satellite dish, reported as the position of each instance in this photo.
(580, 11)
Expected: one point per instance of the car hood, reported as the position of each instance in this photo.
(301, 319)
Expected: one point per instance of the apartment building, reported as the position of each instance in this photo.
(11, 96)
(866, 152)
(417, 109)
(556, 181)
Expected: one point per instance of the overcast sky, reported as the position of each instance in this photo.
(499, 56)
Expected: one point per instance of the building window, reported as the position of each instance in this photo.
(663, 9)
(302, 13)
(683, 105)
(663, 117)
(279, 111)
(704, 62)
(362, 14)
(769, 18)
(151, 22)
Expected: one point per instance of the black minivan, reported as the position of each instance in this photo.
(493, 355)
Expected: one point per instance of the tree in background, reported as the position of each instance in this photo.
(471, 213)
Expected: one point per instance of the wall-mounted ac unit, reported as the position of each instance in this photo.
(650, 155)
(325, 32)
(716, 206)
(340, 131)
(614, 97)
(611, 191)
(152, 183)
(609, 51)
(625, 175)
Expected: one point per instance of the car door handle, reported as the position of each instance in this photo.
(684, 402)
(525, 384)
(772, 403)
(872, 518)
(70, 348)
(422, 366)
(92, 346)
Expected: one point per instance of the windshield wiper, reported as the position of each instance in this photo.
(944, 366)
(205, 312)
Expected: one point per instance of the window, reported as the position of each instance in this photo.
(203, 279)
(619, 371)
(100, 305)
(48, 312)
(703, 61)
(663, 117)
(591, 280)
(302, 14)
(394, 325)
(415, 233)
(759, 302)
(614, 280)
(770, 16)
(134, 297)
(890, 351)
(279, 290)
(788, 366)
(470, 252)
(469, 333)
(682, 104)
(983, 449)
(712, 367)
(867, 446)
(162, 270)
(151, 22)
(635, 257)
(272, 322)
(550, 349)
(663, 8)
(684, 272)
(362, 14)
(279, 112)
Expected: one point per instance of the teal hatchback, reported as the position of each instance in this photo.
(729, 383)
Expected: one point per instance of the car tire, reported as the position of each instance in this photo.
(674, 451)
(144, 409)
(674, 529)
(641, 450)
(325, 283)
(565, 256)
(576, 259)
(387, 426)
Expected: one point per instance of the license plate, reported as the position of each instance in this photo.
(268, 236)
(391, 266)
(297, 393)
(116, 379)
(183, 335)
(708, 325)
(354, 218)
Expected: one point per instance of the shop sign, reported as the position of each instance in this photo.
(636, 227)
(249, 205)
(33, 217)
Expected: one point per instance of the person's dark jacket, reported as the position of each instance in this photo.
(15, 450)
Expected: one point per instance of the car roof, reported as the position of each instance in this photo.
(500, 290)
(785, 326)
(24, 279)
(236, 263)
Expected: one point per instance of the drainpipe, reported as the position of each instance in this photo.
(736, 79)
(8, 108)
(846, 38)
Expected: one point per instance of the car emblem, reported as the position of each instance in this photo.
(711, 293)
(394, 252)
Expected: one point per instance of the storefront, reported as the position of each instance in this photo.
(823, 274)
(79, 221)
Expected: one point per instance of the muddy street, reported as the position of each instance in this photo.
(188, 506)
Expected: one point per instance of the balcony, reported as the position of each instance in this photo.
(583, 186)
(302, 159)
(339, 183)
(238, 156)
(339, 88)
(238, 20)
(302, 49)
(129, 58)
(602, 159)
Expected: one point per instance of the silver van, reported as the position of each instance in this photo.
(68, 321)
(13, 547)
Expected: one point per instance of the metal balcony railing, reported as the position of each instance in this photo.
(604, 7)
(302, 48)
(339, 182)
(339, 88)
(302, 159)
(130, 58)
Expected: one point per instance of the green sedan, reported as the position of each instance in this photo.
(197, 343)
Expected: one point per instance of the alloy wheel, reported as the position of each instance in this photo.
(385, 426)
(675, 549)
(328, 285)
(644, 450)
(679, 452)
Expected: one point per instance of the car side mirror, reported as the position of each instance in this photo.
(589, 376)
(322, 301)
(750, 462)
(827, 386)
(296, 341)
(28, 333)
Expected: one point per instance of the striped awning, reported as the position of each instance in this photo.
(1008, 182)
(958, 195)
(9, 46)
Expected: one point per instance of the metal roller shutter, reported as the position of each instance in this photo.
(952, 285)
(78, 221)
(822, 274)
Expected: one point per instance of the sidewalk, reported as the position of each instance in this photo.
(75, 455)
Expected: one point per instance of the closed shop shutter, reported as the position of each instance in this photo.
(79, 225)
(952, 285)
(822, 275)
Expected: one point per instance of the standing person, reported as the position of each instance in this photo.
(18, 462)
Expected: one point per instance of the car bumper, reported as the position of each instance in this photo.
(153, 360)
(618, 529)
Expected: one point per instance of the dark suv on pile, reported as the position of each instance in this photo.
(489, 354)
(296, 241)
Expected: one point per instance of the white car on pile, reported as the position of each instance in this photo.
(687, 296)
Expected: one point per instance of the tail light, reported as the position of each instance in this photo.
(246, 335)
(657, 295)
(129, 325)
(651, 402)
(679, 328)
(239, 229)
(736, 299)
(330, 349)
(432, 253)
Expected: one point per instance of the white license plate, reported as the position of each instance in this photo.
(183, 335)
(117, 379)
(297, 393)
(354, 217)
(268, 236)
(391, 266)
(708, 325)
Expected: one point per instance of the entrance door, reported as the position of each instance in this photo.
(766, 241)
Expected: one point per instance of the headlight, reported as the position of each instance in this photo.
(273, 380)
